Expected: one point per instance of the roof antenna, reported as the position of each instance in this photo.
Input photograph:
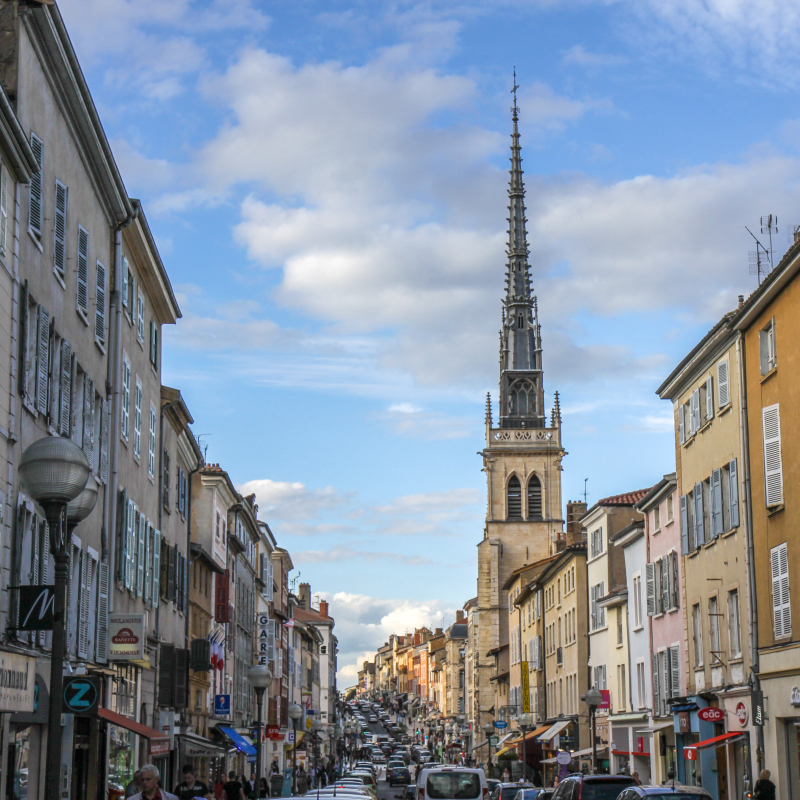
(203, 447)
(585, 491)
(761, 258)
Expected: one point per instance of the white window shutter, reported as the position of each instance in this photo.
(733, 493)
(773, 468)
(681, 424)
(717, 523)
(35, 188)
(684, 503)
(130, 545)
(675, 669)
(42, 360)
(709, 398)
(781, 606)
(82, 297)
(650, 579)
(65, 380)
(104, 423)
(84, 602)
(699, 527)
(60, 229)
(101, 639)
(723, 391)
(100, 304)
(4, 178)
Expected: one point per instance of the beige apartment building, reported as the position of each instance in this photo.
(705, 392)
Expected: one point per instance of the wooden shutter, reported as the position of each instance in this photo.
(650, 581)
(122, 528)
(88, 419)
(171, 565)
(3, 210)
(100, 304)
(675, 670)
(656, 687)
(35, 188)
(166, 675)
(684, 523)
(65, 401)
(42, 360)
(699, 528)
(156, 568)
(141, 535)
(165, 480)
(181, 690)
(221, 597)
(773, 468)
(781, 606)
(84, 568)
(709, 398)
(130, 572)
(717, 523)
(733, 493)
(101, 639)
(70, 594)
(82, 296)
(681, 425)
(148, 564)
(60, 229)
(665, 584)
(674, 572)
(723, 391)
(104, 423)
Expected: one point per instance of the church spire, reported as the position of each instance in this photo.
(521, 395)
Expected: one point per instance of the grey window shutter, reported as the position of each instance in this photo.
(141, 534)
(717, 523)
(70, 595)
(125, 272)
(181, 678)
(681, 425)
(773, 468)
(666, 577)
(83, 604)
(130, 581)
(104, 423)
(700, 534)
(155, 596)
(64, 405)
(88, 419)
(122, 528)
(663, 659)
(675, 670)
(101, 639)
(684, 524)
(42, 360)
(650, 582)
(166, 675)
(709, 397)
(733, 493)
(82, 296)
(100, 304)
(148, 564)
(675, 600)
(171, 566)
(24, 324)
(3, 210)
(35, 188)
(723, 391)
(60, 229)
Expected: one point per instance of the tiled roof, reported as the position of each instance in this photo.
(627, 499)
(309, 616)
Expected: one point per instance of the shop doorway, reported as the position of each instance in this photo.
(17, 764)
(792, 760)
(80, 757)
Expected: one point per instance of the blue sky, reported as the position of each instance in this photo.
(327, 185)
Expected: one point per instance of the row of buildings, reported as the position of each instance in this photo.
(177, 587)
(674, 600)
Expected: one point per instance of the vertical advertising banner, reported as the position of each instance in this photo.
(526, 690)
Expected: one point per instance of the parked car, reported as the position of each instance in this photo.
(409, 793)
(534, 794)
(676, 792)
(451, 783)
(508, 791)
(592, 787)
(399, 775)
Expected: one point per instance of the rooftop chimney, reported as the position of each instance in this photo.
(575, 510)
(459, 615)
(323, 608)
(305, 596)
(438, 632)
(417, 639)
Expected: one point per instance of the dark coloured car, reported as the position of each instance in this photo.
(399, 775)
(675, 792)
(592, 787)
(508, 791)
(534, 794)
(409, 793)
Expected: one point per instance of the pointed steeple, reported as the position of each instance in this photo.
(521, 394)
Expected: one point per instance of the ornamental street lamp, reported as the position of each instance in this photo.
(295, 712)
(260, 679)
(524, 721)
(488, 729)
(54, 472)
(593, 699)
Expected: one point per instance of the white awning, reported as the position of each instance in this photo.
(577, 754)
(553, 730)
(507, 736)
(659, 726)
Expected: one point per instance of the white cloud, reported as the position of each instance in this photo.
(579, 56)
(290, 500)
(409, 420)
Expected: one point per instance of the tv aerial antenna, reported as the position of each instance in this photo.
(761, 259)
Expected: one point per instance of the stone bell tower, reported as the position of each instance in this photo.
(522, 457)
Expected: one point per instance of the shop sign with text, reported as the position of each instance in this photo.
(126, 637)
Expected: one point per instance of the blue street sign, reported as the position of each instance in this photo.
(222, 704)
(251, 759)
(81, 696)
(500, 724)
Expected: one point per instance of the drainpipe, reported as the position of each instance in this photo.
(750, 550)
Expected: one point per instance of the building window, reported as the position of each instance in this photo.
(598, 613)
(766, 341)
(622, 688)
(671, 508)
(713, 630)
(140, 318)
(126, 396)
(657, 519)
(641, 685)
(514, 494)
(620, 618)
(781, 606)
(734, 631)
(773, 467)
(151, 448)
(534, 498)
(597, 542)
(637, 601)
(137, 420)
(697, 634)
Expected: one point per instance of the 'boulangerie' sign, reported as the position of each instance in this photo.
(126, 637)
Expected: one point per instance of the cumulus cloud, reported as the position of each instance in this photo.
(285, 500)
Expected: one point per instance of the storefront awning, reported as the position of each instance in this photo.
(480, 744)
(659, 726)
(531, 734)
(131, 725)
(601, 751)
(239, 742)
(686, 707)
(554, 730)
(690, 751)
(615, 718)
(197, 746)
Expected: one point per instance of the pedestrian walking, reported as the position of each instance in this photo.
(764, 788)
(263, 788)
(149, 776)
(190, 787)
(233, 788)
(135, 785)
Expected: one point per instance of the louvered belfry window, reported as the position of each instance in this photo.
(514, 498)
(534, 498)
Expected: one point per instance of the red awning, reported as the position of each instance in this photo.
(690, 751)
(131, 725)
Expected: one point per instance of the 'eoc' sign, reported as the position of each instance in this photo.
(711, 714)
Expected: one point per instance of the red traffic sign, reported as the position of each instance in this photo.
(711, 714)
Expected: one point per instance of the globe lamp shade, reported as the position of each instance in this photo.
(53, 470)
(259, 676)
(525, 720)
(295, 712)
(80, 508)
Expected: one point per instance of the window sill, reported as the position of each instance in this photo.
(737, 660)
(638, 628)
(656, 531)
(728, 533)
(669, 523)
(773, 510)
(141, 343)
(36, 239)
(725, 409)
(710, 544)
(768, 375)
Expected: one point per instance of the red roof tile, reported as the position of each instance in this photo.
(309, 616)
(627, 499)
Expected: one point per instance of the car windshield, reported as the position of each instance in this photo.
(460, 785)
(679, 795)
(510, 792)
(604, 790)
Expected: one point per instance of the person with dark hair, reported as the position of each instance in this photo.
(190, 787)
(263, 788)
(233, 788)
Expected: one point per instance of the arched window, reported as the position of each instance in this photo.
(522, 398)
(534, 498)
(514, 498)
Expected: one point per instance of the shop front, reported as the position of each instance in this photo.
(782, 733)
(24, 696)
(660, 738)
(560, 736)
(244, 751)
(630, 751)
(208, 759)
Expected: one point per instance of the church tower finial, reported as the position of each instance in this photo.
(521, 393)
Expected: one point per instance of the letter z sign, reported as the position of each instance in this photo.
(81, 696)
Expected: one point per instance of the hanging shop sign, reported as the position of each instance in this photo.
(35, 608)
(741, 714)
(17, 682)
(126, 637)
(711, 714)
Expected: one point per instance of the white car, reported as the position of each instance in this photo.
(448, 783)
